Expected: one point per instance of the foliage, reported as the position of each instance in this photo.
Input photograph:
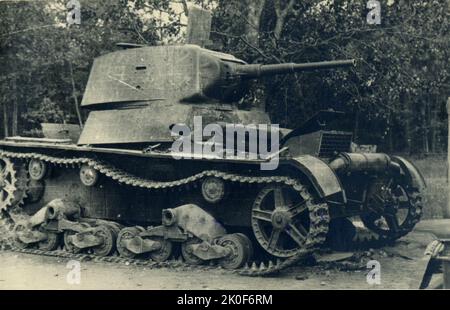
(41, 54)
(436, 194)
(398, 90)
(396, 93)
(47, 112)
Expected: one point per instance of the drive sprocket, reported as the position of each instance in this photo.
(395, 209)
(13, 183)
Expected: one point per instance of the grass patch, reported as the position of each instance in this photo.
(434, 170)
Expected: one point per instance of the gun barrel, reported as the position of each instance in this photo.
(258, 70)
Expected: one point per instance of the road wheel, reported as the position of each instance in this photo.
(51, 243)
(164, 252)
(240, 251)
(69, 246)
(187, 254)
(125, 234)
(109, 241)
(18, 229)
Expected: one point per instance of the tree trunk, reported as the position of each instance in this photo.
(434, 126)
(408, 136)
(407, 122)
(5, 120)
(74, 95)
(255, 8)
(426, 126)
(390, 135)
(15, 115)
(447, 208)
(252, 31)
(356, 127)
(281, 14)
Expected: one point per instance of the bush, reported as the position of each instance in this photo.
(434, 170)
(47, 112)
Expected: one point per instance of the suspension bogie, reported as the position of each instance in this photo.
(60, 222)
(199, 243)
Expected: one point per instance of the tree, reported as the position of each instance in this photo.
(398, 90)
(44, 57)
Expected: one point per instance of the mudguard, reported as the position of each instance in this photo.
(413, 175)
(322, 177)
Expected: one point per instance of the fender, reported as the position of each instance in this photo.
(322, 177)
(413, 175)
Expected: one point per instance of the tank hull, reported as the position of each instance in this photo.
(124, 194)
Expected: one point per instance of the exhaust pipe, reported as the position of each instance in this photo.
(39, 217)
(363, 162)
(169, 217)
(59, 208)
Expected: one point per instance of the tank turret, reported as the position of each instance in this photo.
(136, 94)
(185, 73)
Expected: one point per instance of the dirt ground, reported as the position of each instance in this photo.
(400, 269)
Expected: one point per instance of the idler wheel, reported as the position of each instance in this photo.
(37, 169)
(187, 254)
(88, 175)
(51, 243)
(240, 251)
(109, 237)
(125, 234)
(70, 247)
(164, 252)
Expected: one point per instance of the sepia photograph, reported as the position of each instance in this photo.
(240, 146)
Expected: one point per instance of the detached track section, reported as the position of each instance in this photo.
(319, 215)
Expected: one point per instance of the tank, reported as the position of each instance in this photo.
(123, 188)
